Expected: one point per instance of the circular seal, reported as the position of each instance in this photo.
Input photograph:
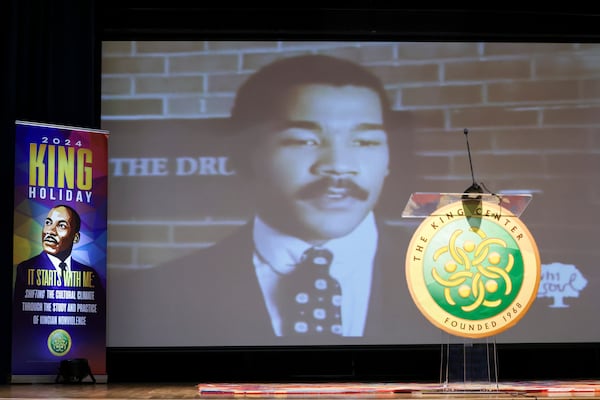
(59, 342)
(473, 268)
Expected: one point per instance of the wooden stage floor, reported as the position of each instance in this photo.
(515, 390)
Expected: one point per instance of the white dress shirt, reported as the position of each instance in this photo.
(276, 254)
(56, 262)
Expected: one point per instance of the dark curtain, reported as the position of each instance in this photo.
(50, 73)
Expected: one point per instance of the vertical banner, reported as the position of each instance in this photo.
(59, 255)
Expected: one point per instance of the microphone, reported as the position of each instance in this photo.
(474, 188)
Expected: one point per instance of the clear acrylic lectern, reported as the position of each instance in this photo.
(467, 364)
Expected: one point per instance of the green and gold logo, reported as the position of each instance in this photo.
(59, 342)
(473, 268)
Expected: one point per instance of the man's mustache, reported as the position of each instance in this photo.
(48, 237)
(322, 187)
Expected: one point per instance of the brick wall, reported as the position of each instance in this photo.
(533, 111)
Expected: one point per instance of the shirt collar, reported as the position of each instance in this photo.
(282, 252)
(56, 261)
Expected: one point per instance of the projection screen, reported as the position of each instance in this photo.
(533, 116)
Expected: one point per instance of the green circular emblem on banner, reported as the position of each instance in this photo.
(59, 342)
(473, 268)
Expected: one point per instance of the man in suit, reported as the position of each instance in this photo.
(53, 290)
(315, 135)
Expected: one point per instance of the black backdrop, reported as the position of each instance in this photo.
(50, 61)
(50, 73)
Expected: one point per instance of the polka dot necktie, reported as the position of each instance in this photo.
(311, 297)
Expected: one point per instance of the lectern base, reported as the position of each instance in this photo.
(469, 365)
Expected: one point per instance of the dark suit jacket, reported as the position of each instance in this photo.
(212, 297)
(30, 350)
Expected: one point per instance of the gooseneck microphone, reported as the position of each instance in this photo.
(474, 188)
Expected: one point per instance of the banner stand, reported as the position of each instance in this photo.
(59, 252)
